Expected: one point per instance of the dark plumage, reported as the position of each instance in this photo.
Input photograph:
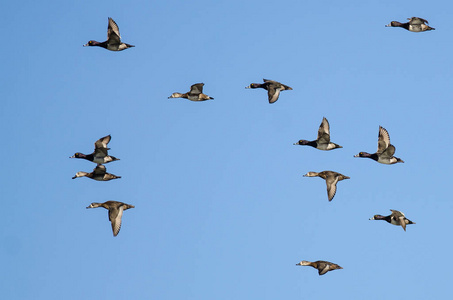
(99, 173)
(331, 179)
(396, 218)
(385, 151)
(100, 154)
(115, 209)
(322, 266)
(323, 140)
(415, 25)
(113, 42)
(195, 93)
(273, 88)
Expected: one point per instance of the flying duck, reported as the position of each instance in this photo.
(100, 154)
(396, 218)
(331, 179)
(115, 212)
(323, 140)
(195, 93)
(99, 173)
(322, 266)
(113, 41)
(273, 88)
(415, 25)
(385, 151)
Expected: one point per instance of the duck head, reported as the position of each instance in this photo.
(78, 155)
(303, 142)
(363, 154)
(311, 174)
(253, 86)
(175, 95)
(394, 24)
(91, 43)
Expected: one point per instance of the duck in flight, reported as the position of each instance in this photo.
(195, 93)
(321, 265)
(113, 42)
(396, 218)
(273, 88)
(115, 209)
(385, 151)
(100, 154)
(331, 179)
(323, 141)
(99, 173)
(415, 24)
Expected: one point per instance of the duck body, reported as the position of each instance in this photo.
(100, 154)
(321, 265)
(113, 42)
(273, 88)
(96, 159)
(385, 151)
(195, 93)
(396, 218)
(115, 209)
(415, 24)
(323, 141)
(99, 173)
(331, 179)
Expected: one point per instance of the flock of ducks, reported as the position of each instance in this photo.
(101, 156)
(384, 154)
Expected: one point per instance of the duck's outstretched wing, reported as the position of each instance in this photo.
(100, 146)
(331, 183)
(103, 142)
(113, 32)
(417, 21)
(388, 153)
(115, 215)
(196, 88)
(324, 132)
(383, 139)
(323, 269)
(99, 170)
(273, 93)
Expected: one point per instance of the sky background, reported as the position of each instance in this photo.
(222, 210)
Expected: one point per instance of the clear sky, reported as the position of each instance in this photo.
(222, 210)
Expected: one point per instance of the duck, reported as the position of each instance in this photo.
(195, 93)
(113, 42)
(385, 151)
(396, 218)
(415, 24)
(323, 141)
(322, 266)
(99, 173)
(273, 88)
(331, 179)
(115, 209)
(100, 154)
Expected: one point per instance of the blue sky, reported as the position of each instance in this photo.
(221, 208)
